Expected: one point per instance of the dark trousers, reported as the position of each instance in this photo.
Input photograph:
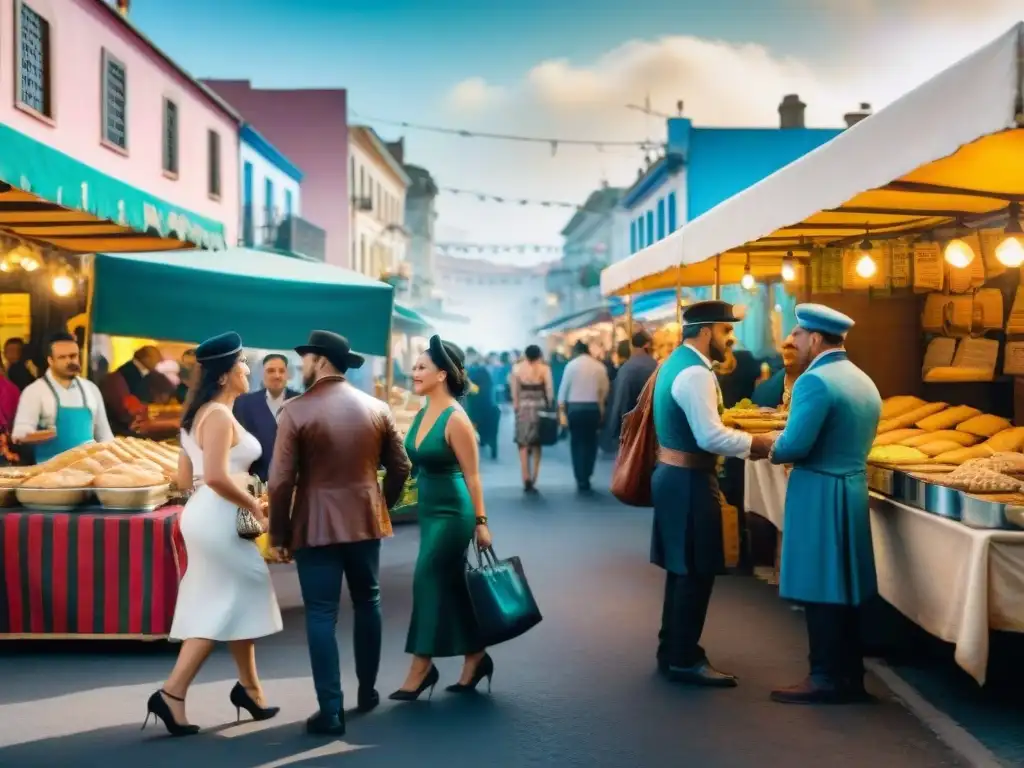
(321, 571)
(683, 612)
(834, 637)
(584, 427)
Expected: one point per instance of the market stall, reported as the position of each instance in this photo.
(917, 235)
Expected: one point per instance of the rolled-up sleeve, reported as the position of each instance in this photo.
(26, 418)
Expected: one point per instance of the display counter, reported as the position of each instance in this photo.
(89, 574)
(955, 582)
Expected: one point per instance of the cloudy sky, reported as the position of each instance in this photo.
(567, 69)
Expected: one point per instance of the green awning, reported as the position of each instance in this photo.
(410, 320)
(273, 301)
(50, 196)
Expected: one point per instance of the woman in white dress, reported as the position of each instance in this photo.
(226, 594)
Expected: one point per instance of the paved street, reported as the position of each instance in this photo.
(577, 691)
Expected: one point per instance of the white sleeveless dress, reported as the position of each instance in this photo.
(226, 593)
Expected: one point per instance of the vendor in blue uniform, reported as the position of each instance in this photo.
(687, 537)
(61, 410)
(828, 562)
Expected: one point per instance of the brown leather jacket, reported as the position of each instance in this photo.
(323, 477)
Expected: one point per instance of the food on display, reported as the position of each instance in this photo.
(901, 436)
(928, 469)
(948, 418)
(897, 454)
(130, 476)
(1011, 439)
(963, 439)
(61, 478)
(984, 425)
(947, 374)
(750, 418)
(900, 405)
(938, 447)
(977, 479)
(962, 455)
(910, 418)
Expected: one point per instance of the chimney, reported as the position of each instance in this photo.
(791, 112)
(397, 150)
(852, 118)
(123, 6)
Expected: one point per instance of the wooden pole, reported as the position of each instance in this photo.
(629, 316)
(89, 269)
(718, 276)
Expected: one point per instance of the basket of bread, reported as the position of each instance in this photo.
(128, 474)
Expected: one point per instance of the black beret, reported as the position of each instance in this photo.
(224, 345)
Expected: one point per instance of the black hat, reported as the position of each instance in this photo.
(334, 347)
(219, 347)
(709, 313)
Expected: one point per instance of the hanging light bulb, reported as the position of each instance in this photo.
(1010, 252)
(29, 262)
(866, 266)
(63, 285)
(788, 268)
(958, 253)
(747, 281)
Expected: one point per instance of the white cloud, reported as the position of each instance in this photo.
(473, 93)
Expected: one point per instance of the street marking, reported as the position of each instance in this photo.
(949, 731)
(328, 750)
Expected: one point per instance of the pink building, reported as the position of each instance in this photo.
(311, 128)
(95, 118)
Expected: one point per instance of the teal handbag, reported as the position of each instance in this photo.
(502, 601)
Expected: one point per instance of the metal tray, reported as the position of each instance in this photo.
(882, 480)
(978, 512)
(53, 499)
(129, 499)
(942, 501)
(910, 489)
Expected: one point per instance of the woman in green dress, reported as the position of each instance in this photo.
(443, 447)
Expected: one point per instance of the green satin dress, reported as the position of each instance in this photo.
(442, 617)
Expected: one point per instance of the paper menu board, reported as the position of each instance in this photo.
(939, 353)
(854, 282)
(977, 353)
(988, 240)
(988, 309)
(929, 268)
(947, 314)
(900, 258)
(827, 271)
(15, 316)
(1015, 323)
(1013, 358)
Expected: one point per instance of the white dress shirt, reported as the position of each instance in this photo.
(696, 391)
(37, 406)
(585, 380)
(275, 403)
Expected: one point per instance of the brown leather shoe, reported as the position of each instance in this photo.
(702, 674)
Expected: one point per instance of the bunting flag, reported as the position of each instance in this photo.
(67, 574)
(483, 248)
(485, 197)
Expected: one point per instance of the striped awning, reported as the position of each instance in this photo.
(54, 199)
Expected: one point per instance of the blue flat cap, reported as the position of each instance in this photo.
(224, 345)
(817, 318)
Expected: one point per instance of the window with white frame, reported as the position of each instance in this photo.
(115, 101)
(35, 71)
(170, 138)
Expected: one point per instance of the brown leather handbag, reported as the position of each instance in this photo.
(638, 447)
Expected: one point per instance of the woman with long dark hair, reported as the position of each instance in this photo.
(442, 445)
(226, 594)
(533, 391)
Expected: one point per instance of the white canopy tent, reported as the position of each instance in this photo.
(951, 150)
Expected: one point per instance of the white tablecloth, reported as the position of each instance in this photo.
(955, 582)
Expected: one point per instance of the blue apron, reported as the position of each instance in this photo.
(74, 426)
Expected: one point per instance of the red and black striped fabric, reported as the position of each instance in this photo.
(89, 574)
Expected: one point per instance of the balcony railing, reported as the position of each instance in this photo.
(285, 233)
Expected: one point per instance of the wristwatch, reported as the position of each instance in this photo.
(482, 520)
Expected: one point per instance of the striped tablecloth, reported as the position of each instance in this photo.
(89, 574)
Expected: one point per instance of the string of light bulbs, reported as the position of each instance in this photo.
(486, 197)
(492, 248)
(553, 142)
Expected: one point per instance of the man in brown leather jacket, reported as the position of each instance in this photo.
(327, 507)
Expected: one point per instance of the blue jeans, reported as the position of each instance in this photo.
(321, 571)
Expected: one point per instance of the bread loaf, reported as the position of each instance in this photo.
(897, 454)
(87, 465)
(65, 478)
(127, 476)
(902, 436)
(938, 447)
(899, 405)
(948, 418)
(984, 425)
(1011, 439)
(923, 438)
(910, 418)
(961, 455)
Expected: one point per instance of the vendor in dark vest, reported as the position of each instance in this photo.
(257, 411)
(687, 537)
(126, 391)
(60, 410)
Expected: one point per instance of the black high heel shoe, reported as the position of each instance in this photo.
(242, 700)
(484, 668)
(428, 682)
(160, 710)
